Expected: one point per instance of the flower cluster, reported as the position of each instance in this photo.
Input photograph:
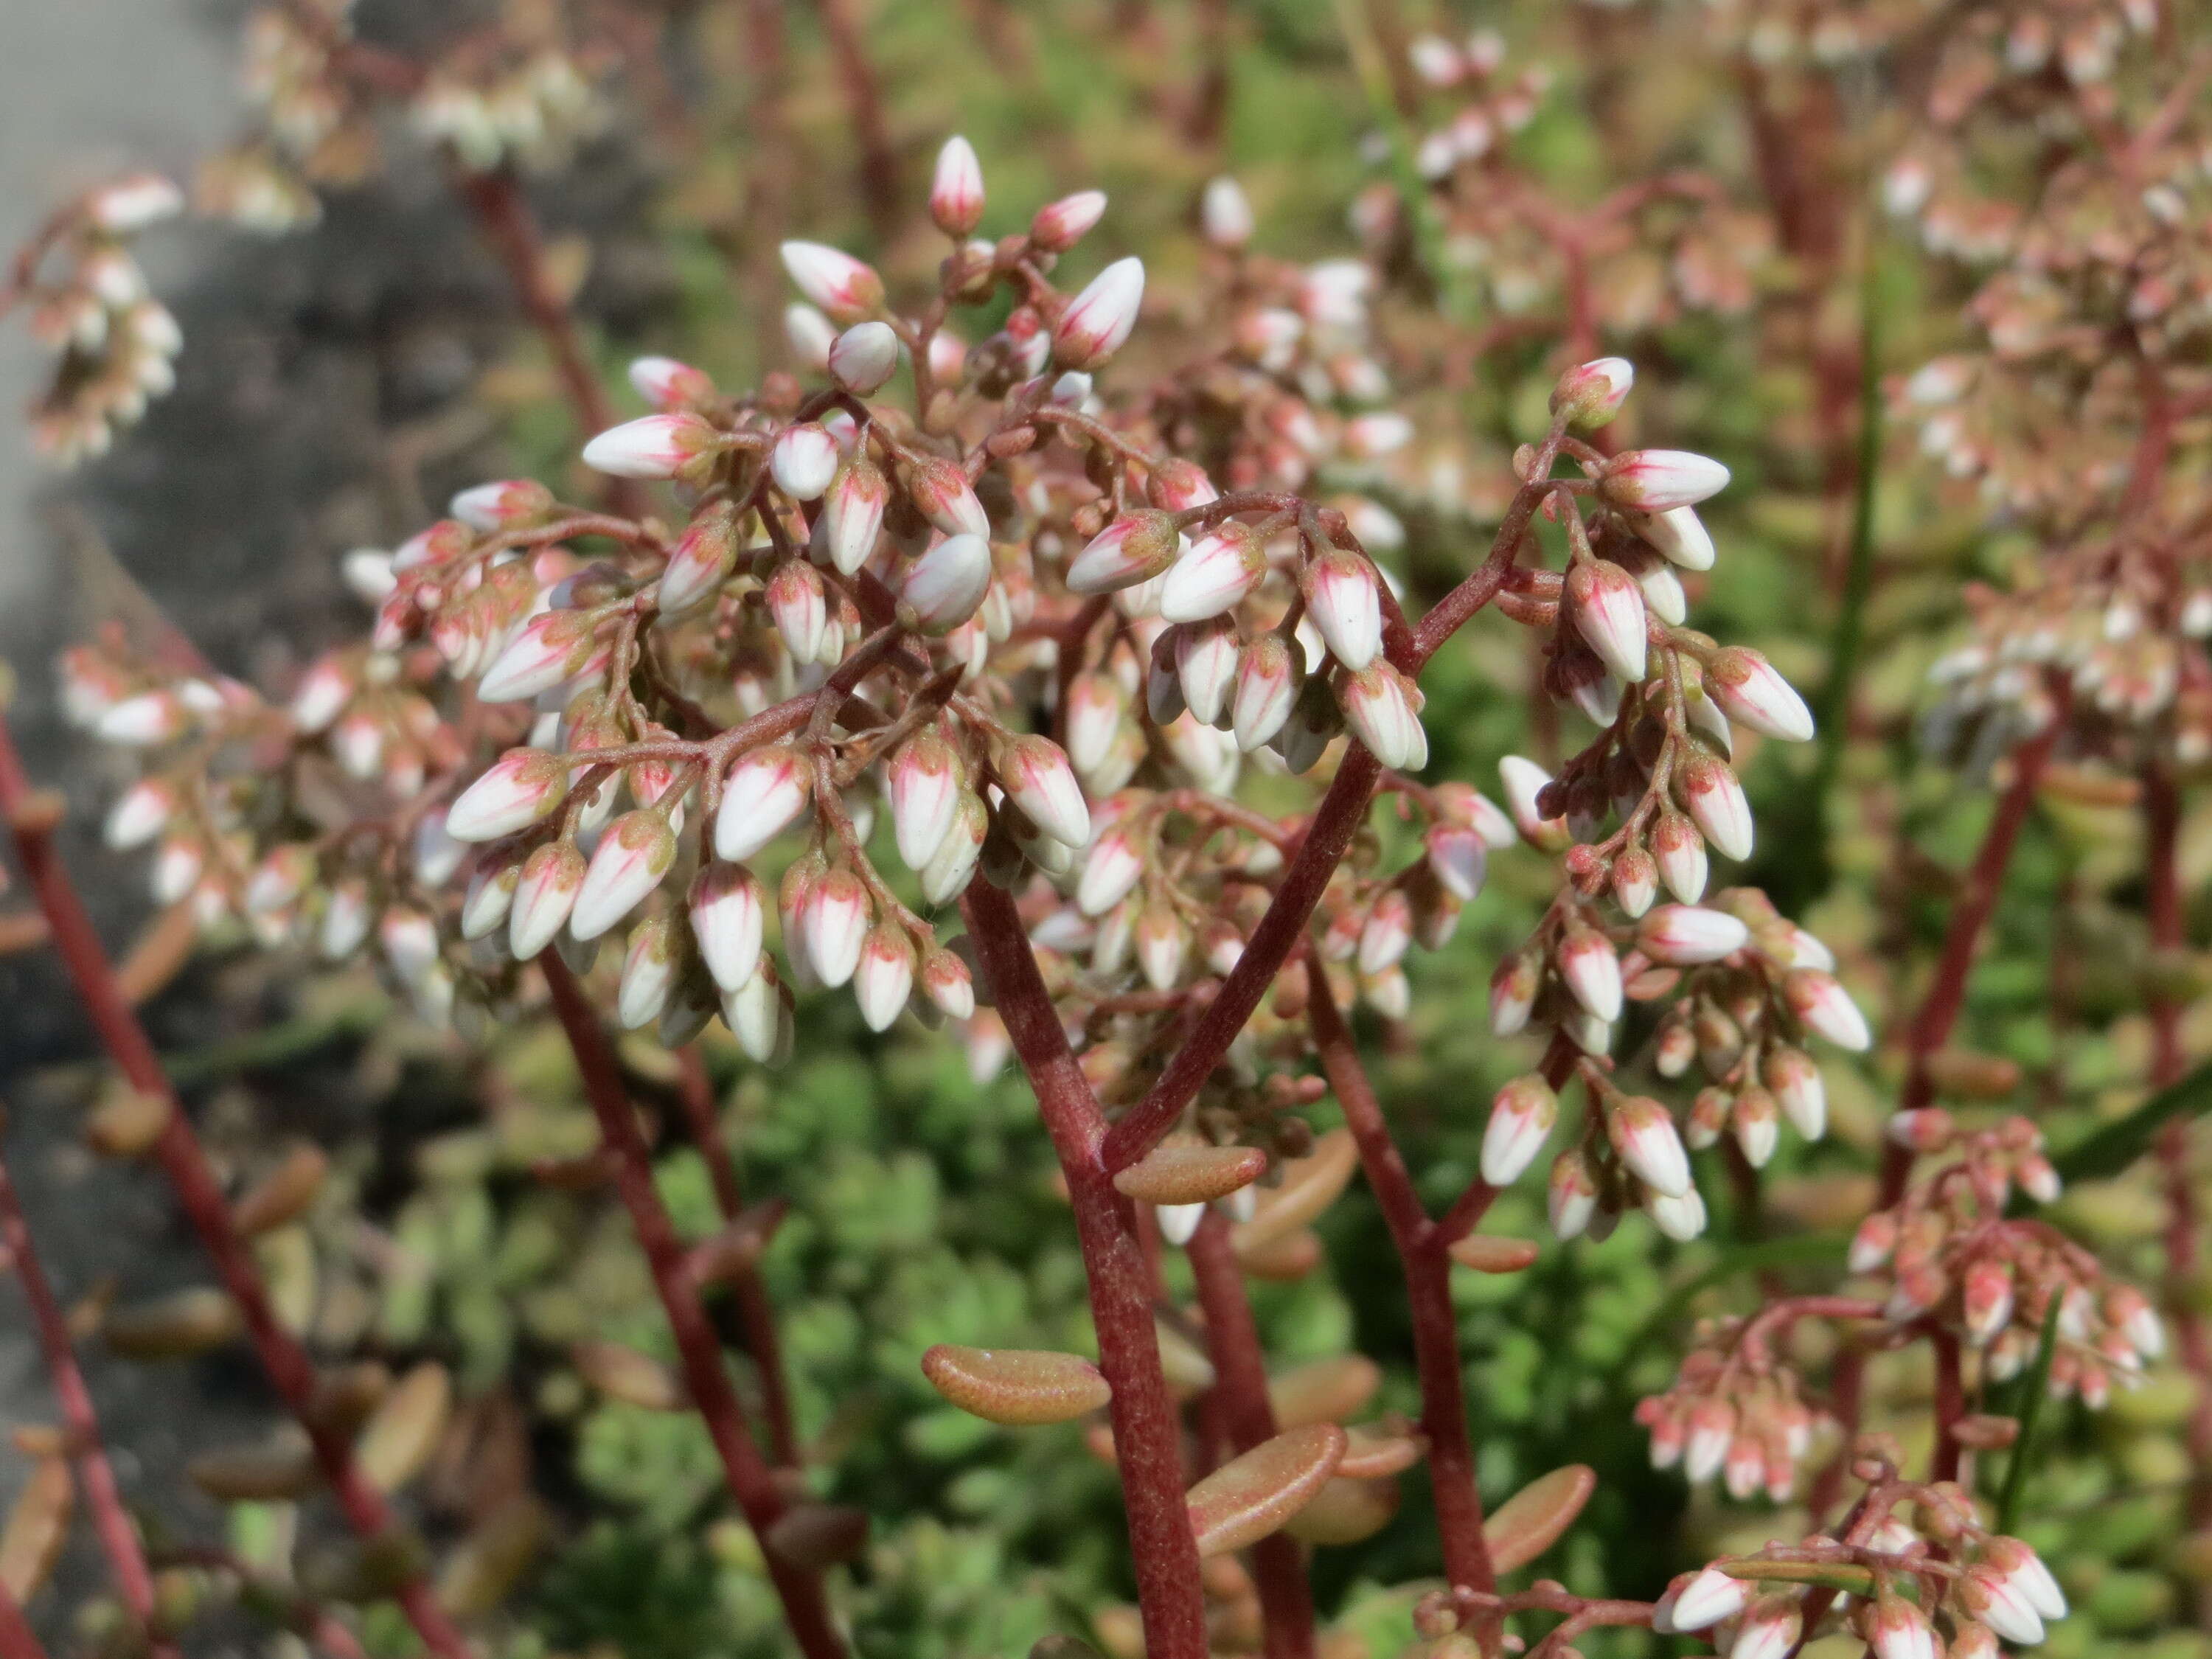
(1736, 1411)
(89, 303)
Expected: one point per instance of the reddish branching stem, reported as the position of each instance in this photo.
(1147, 1430)
(31, 818)
(1240, 1391)
(750, 1481)
(95, 1476)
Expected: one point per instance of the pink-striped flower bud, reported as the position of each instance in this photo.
(140, 813)
(553, 646)
(1223, 214)
(144, 721)
(2026, 1570)
(1591, 395)
(1710, 795)
(1644, 1135)
(947, 875)
(1458, 857)
(1524, 783)
(1513, 986)
(1898, 1630)
(945, 585)
(834, 916)
(924, 786)
(1750, 693)
(1176, 484)
(956, 193)
(1379, 706)
(802, 460)
(800, 606)
(1111, 869)
(947, 983)
(670, 385)
(502, 505)
(1521, 1116)
(1679, 536)
(703, 560)
(1269, 678)
(1342, 597)
(1388, 932)
(648, 974)
(1037, 778)
(489, 899)
(1635, 881)
(864, 357)
(884, 977)
(653, 446)
(941, 493)
(1679, 851)
(1826, 1009)
(833, 280)
(1570, 1196)
(517, 790)
(2038, 1178)
(1985, 1595)
(1133, 549)
(1758, 1125)
(1707, 1598)
(1771, 1626)
(1799, 1089)
(1059, 226)
(1205, 655)
(853, 513)
(1214, 575)
(632, 856)
(1163, 945)
(1098, 321)
(1660, 480)
(1712, 1432)
(1985, 1300)
(544, 895)
(728, 912)
(764, 792)
(1685, 935)
(1591, 971)
(1608, 607)
(810, 336)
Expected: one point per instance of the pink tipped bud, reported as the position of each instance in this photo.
(1685, 935)
(632, 856)
(800, 606)
(516, 791)
(758, 1013)
(955, 194)
(1798, 1089)
(1592, 972)
(1458, 857)
(1712, 1432)
(1378, 705)
(1985, 1300)
(552, 646)
(1163, 945)
(1661, 480)
(140, 813)
(1608, 607)
(802, 460)
(1513, 986)
(1059, 226)
(1224, 215)
(1771, 1625)
(1213, 575)
(853, 513)
(648, 974)
(1342, 597)
(945, 585)
(809, 335)
(1758, 1125)
(885, 978)
(1177, 484)
(1679, 536)
(1591, 395)
(347, 915)
(1098, 321)
(130, 204)
(834, 918)
(765, 791)
(1206, 657)
(835, 281)
(2025, 1569)
(948, 985)
(864, 357)
(1386, 932)
(1035, 775)
(1709, 1598)
(324, 691)
(1750, 693)
(1269, 679)
(1874, 1242)
(143, 721)
(701, 562)
(728, 911)
(1988, 1597)
(1715, 800)
(1679, 851)
(924, 786)
(653, 446)
(1131, 550)
(1922, 1130)
(1521, 1116)
(947, 875)
(941, 493)
(544, 894)
(1645, 1137)
(670, 385)
(1826, 1009)
(1570, 1196)
(1524, 784)
(1898, 1630)
(1095, 707)
(502, 506)
(1635, 881)
(1110, 870)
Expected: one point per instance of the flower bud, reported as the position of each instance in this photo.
(1750, 693)
(1710, 795)
(1269, 677)
(1685, 935)
(1826, 1009)
(1590, 396)
(941, 493)
(764, 792)
(1378, 705)
(1898, 1630)
(1679, 851)
(799, 606)
(553, 646)
(1524, 783)
(1571, 1195)
(1521, 1116)
(853, 513)
(1223, 214)
(700, 562)
(1513, 986)
(1458, 857)
(631, 857)
(1111, 869)
(945, 585)
(1591, 971)
(809, 335)
(653, 447)
(1757, 1121)
(802, 460)
(1037, 778)
(947, 875)
(1607, 608)
(864, 357)
(1342, 599)
(544, 893)
(648, 974)
(834, 919)
(1059, 226)
(670, 385)
(728, 912)
(1660, 480)
(1132, 549)
(1213, 574)
(1645, 1137)
(1679, 536)
(955, 194)
(835, 281)
(1098, 321)
(140, 813)
(1206, 656)
(130, 204)
(519, 788)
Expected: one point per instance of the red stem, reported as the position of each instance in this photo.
(119, 1537)
(1147, 1430)
(750, 1481)
(1946, 995)
(17, 1640)
(31, 818)
(1422, 1246)
(1240, 1395)
(694, 1090)
(1950, 1402)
